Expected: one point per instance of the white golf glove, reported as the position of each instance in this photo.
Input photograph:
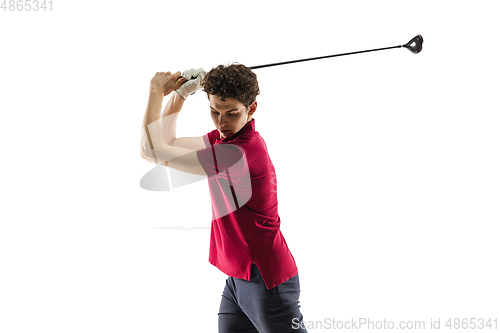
(193, 83)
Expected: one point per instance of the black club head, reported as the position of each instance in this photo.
(415, 45)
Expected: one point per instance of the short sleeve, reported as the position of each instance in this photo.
(210, 137)
(222, 157)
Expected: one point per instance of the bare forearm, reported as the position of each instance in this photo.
(153, 148)
(151, 117)
(168, 118)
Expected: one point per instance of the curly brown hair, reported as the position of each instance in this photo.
(232, 81)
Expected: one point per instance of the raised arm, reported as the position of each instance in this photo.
(169, 123)
(153, 148)
(169, 117)
(172, 110)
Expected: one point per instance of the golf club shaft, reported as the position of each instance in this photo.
(323, 57)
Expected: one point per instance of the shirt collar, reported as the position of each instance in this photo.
(248, 127)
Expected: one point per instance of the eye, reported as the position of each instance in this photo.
(232, 114)
(215, 112)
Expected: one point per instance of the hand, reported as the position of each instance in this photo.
(166, 82)
(194, 78)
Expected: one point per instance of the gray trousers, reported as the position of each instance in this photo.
(249, 307)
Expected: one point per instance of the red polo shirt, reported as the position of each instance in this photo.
(245, 220)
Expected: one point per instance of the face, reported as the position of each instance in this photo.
(230, 115)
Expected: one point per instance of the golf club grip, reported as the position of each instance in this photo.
(186, 81)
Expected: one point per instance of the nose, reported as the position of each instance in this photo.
(222, 121)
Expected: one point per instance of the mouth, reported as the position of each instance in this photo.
(225, 131)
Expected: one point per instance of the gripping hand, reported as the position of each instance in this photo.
(193, 83)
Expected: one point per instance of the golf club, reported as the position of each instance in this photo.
(414, 45)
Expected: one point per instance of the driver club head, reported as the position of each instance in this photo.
(415, 45)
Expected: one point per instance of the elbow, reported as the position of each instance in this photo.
(148, 157)
(145, 155)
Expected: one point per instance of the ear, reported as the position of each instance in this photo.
(252, 108)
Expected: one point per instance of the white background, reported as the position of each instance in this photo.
(387, 162)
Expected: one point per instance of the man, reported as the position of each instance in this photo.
(262, 288)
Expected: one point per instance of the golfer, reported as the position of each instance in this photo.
(262, 289)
